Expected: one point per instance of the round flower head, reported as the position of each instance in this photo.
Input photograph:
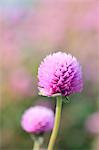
(37, 120)
(92, 123)
(59, 73)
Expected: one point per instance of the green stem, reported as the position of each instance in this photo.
(56, 124)
(36, 145)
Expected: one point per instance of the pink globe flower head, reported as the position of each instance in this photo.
(37, 120)
(59, 74)
(92, 123)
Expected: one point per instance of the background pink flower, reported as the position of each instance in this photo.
(21, 82)
(92, 123)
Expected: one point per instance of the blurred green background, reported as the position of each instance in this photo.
(30, 30)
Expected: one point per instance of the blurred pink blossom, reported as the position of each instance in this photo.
(86, 19)
(12, 16)
(10, 54)
(21, 82)
(92, 123)
(47, 23)
(37, 119)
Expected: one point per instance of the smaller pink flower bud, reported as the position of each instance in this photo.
(37, 119)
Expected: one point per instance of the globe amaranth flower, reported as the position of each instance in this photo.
(92, 123)
(37, 120)
(59, 73)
